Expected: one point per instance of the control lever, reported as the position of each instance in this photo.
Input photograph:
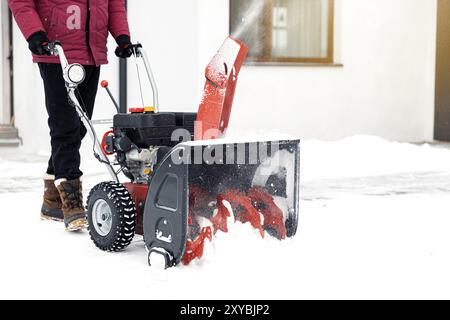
(105, 85)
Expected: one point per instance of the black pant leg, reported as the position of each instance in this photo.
(88, 93)
(63, 122)
(66, 128)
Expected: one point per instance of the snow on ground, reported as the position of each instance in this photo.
(374, 223)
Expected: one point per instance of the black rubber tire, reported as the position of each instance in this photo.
(123, 212)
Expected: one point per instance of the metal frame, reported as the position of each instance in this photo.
(141, 53)
(123, 81)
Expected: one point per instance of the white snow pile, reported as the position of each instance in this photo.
(374, 223)
(369, 156)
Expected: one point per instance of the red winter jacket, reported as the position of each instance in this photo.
(82, 35)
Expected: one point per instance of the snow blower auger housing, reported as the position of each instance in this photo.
(186, 180)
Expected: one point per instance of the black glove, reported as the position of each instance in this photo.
(124, 47)
(37, 43)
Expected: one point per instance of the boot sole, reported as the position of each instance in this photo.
(47, 218)
(77, 225)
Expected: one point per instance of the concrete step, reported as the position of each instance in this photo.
(8, 132)
(9, 143)
(9, 136)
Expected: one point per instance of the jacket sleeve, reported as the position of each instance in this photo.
(118, 21)
(26, 16)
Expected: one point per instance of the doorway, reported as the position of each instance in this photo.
(8, 133)
(442, 112)
(6, 54)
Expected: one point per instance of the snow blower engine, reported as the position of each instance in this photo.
(186, 181)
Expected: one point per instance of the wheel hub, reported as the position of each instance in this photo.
(102, 217)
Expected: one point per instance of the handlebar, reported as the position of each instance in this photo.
(55, 48)
(51, 47)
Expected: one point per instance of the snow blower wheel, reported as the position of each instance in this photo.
(111, 216)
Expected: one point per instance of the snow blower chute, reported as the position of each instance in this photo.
(186, 180)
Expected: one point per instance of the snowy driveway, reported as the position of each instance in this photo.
(374, 224)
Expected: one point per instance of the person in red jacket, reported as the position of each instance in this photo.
(82, 27)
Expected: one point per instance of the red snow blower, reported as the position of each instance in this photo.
(187, 182)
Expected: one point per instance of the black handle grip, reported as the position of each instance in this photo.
(51, 46)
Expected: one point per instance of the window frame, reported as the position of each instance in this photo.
(268, 59)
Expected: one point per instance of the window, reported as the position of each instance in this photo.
(284, 31)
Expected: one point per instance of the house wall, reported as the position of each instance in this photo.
(168, 31)
(385, 86)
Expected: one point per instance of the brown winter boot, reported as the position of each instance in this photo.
(72, 204)
(52, 205)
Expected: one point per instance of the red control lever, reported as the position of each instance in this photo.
(105, 85)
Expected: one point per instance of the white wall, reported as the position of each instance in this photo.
(29, 107)
(385, 88)
(168, 31)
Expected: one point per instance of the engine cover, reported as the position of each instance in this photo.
(146, 130)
